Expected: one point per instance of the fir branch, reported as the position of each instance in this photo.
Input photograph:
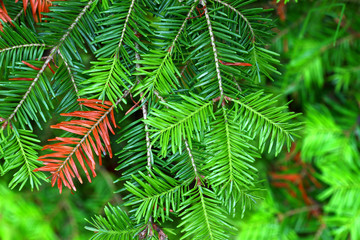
(186, 118)
(185, 68)
(156, 195)
(116, 225)
(25, 157)
(110, 73)
(202, 215)
(212, 40)
(79, 144)
(230, 166)
(274, 120)
(20, 149)
(49, 58)
(162, 67)
(179, 120)
(228, 146)
(261, 115)
(115, 57)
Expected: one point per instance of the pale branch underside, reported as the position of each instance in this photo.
(125, 24)
(23, 46)
(147, 134)
(144, 110)
(19, 14)
(70, 74)
(212, 40)
(192, 160)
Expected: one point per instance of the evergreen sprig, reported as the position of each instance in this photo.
(192, 67)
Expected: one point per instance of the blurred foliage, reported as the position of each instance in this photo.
(314, 189)
(22, 219)
(47, 215)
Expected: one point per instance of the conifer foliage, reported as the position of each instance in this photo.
(192, 68)
(96, 123)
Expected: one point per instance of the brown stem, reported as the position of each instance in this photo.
(282, 216)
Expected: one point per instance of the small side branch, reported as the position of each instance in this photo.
(181, 28)
(242, 16)
(18, 15)
(282, 216)
(125, 24)
(320, 231)
(169, 51)
(144, 110)
(237, 84)
(23, 46)
(184, 68)
(212, 39)
(70, 73)
(197, 178)
(147, 135)
(117, 51)
(159, 96)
